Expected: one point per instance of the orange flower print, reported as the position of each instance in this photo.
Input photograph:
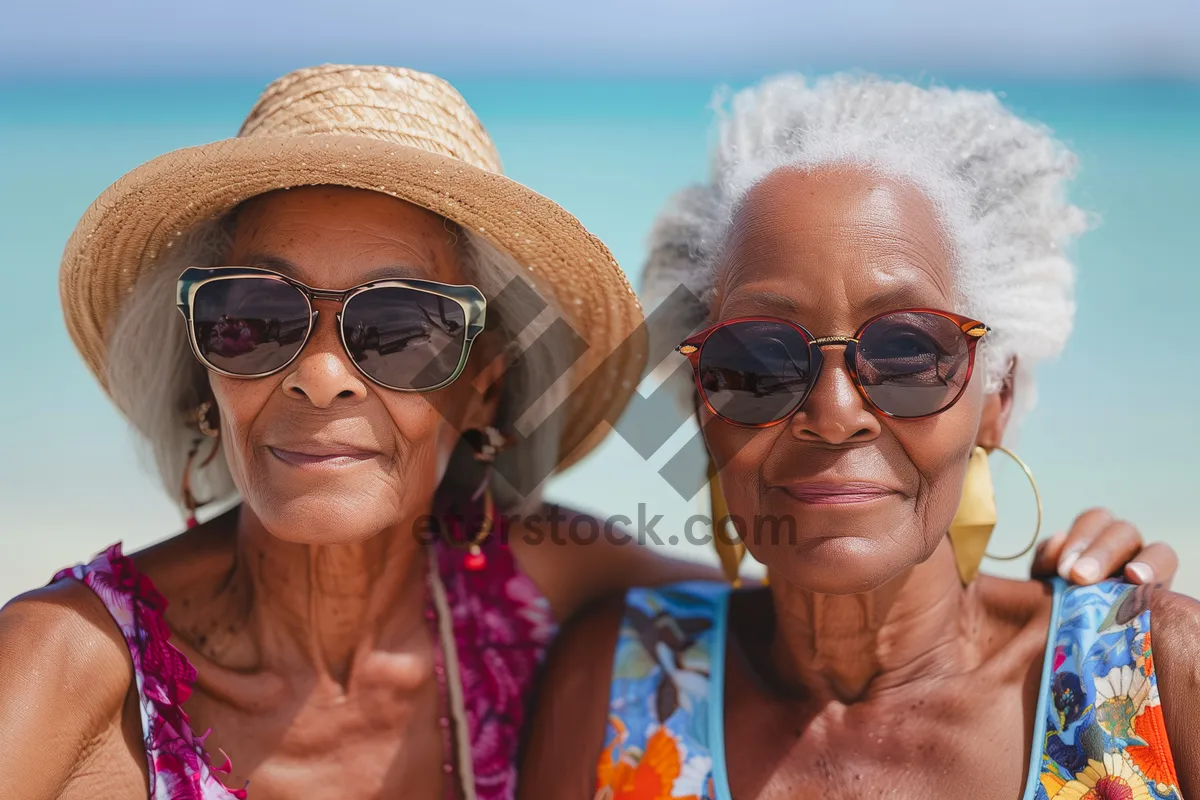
(651, 775)
(1142, 655)
(1153, 759)
(612, 752)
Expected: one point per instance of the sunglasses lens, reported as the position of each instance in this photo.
(404, 338)
(755, 372)
(913, 363)
(249, 326)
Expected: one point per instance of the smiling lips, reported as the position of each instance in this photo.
(323, 456)
(826, 493)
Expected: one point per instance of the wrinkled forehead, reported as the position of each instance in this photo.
(335, 237)
(833, 246)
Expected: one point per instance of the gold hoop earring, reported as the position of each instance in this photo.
(1037, 496)
(975, 518)
(729, 552)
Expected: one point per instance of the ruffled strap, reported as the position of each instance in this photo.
(502, 626)
(179, 767)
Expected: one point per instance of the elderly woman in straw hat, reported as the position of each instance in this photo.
(362, 295)
(882, 265)
(341, 314)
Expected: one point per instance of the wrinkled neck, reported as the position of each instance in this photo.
(847, 647)
(325, 603)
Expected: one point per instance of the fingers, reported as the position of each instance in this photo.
(1045, 558)
(1084, 530)
(1097, 546)
(1116, 544)
(1156, 564)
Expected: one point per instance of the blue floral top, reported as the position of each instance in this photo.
(1099, 730)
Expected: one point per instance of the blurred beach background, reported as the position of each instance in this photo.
(605, 109)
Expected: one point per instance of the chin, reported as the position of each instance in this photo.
(837, 549)
(324, 517)
(837, 565)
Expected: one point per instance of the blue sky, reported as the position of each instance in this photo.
(704, 38)
(89, 90)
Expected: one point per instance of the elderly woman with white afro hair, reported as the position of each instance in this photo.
(880, 267)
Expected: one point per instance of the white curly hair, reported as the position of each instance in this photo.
(997, 183)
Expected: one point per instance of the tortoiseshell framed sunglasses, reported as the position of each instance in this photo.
(907, 364)
(406, 335)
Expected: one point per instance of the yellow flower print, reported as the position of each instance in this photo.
(1114, 778)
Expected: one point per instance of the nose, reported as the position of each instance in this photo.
(323, 374)
(834, 412)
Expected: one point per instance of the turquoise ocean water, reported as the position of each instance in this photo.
(1117, 419)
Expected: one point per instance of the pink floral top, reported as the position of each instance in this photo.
(502, 626)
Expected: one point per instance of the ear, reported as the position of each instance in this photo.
(997, 411)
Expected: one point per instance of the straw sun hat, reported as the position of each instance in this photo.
(396, 131)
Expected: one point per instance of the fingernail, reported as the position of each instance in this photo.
(1056, 538)
(1065, 563)
(1141, 572)
(1087, 569)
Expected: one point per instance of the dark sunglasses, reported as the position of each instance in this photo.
(406, 335)
(908, 364)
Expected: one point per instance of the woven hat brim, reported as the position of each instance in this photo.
(126, 229)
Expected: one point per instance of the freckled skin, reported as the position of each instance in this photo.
(865, 669)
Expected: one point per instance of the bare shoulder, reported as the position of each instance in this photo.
(65, 674)
(1175, 627)
(62, 636)
(1175, 615)
(566, 736)
(577, 559)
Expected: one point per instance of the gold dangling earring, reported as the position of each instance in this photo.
(475, 559)
(200, 417)
(976, 516)
(487, 444)
(729, 552)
